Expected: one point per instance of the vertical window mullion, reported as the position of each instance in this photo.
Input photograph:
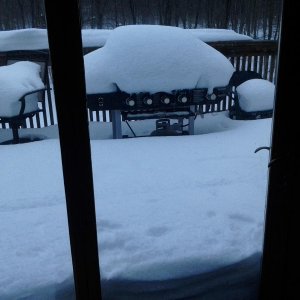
(64, 36)
(282, 221)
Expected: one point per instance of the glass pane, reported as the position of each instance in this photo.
(183, 215)
(178, 216)
(35, 255)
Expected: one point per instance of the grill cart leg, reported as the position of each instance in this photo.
(16, 138)
(192, 121)
(116, 124)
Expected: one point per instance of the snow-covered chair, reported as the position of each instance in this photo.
(252, 97)
(21, 88)
(42, 59)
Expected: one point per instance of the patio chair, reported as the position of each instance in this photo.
(42, 59)
(235, 110)
(28, 108)
(16, 109)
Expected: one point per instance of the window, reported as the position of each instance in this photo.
(82, 222)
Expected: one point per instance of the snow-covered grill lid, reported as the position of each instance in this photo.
(153, 58)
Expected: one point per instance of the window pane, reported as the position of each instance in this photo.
(35, 255)
(180, 216)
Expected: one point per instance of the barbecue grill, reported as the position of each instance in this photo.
(164, 107)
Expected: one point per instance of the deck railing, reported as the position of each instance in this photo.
(255, 55)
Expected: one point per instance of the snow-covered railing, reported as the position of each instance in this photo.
(256, 55)
(37, 39)
(250, 55)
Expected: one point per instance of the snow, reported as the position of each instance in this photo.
(23, 39)
(36, 39)
(16, 80)
(95, 37)
(152, 58)
(167, 207)
(218, 35)
(256, 95)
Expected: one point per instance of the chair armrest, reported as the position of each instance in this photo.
(22, 99)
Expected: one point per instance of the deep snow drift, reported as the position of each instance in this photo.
(167, 207)
(174, 214)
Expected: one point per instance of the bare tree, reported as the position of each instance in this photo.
(258, 18)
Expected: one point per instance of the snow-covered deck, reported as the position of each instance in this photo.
(166, 207)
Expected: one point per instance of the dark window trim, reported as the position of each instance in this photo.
(65, 44)
(278, 280)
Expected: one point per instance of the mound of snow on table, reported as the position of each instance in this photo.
(256, 95)
(152, 58)
(15, 81)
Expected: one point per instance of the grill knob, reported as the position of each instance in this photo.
(130, 102)
(213, 97)
(166, 100)
(148, 101)
(182, 98)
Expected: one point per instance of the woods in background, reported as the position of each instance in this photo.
(257, 18)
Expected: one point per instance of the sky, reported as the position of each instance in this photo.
(166, 207)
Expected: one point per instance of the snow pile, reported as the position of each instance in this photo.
(23, 39)
(16, 80)
(218, 35)
(152, 58)
(256, 95)
(36, 39)
(94, 37)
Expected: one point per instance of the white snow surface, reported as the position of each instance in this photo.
(16, 80)
(36, 39)
(153, 58)
(218, 35)
(23, 39)
(166, 207)
(256, 95)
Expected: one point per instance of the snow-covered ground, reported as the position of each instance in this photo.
(167, 207)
